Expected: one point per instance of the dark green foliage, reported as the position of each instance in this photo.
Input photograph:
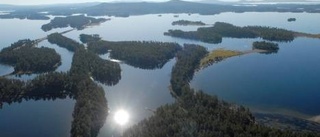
(45, 86)
(187, 61)
(78, 22)
(229, 30)
(187, 22)
(85, 38)
(87, 63)
(26, 59)
(292, 19)
(90, 111)
(196, 114)
(145, 55)
(263, 45)
(24, 15)
(220, 29)
(272, 34)
(64, 42)
(204, 35)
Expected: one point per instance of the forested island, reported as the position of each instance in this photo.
(187, 23)
(25, 58)
(267, 46)
(215, 33)
(292, 19)
(24, 15)
(141, 54)
(79, 22)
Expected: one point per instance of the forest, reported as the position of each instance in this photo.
(263, 45)
(25, 58)
(188, 60)
(86, 38)
(64, 42)
(219, 30)
(197, 114)
(141, 54)
(187, 23)
(79, 22)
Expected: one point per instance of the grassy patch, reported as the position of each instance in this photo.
(218, 55)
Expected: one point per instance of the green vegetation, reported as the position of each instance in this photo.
(219, 30)
(267, 46)
(199, 115)
(86, 62)
(28, 59)
(273, 34)
(85, 38)
(64, 42)
(104, 71)
(188, 61)
(24, 15)
(218, 55)
(45, 86)
(187, 22)
(91, 109)
(78, 22)
(292, 19)
(145, 55)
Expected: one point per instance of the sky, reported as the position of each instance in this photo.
(39, 2)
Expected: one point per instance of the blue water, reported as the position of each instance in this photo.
(288, 80)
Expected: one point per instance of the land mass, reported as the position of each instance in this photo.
(27, 59)
(79, 22)
(141, 54)
(126, 9)
(188, 23)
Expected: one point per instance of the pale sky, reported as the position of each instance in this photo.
(39, 2)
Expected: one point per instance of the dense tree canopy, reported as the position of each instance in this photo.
(79, 22)
(215, 33)
(85, 38)
(145, 55)
(187, 61)
(28, 59)
(187, 22)
(269, 47)
(64, 42)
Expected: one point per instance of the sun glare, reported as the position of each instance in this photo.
(121, 117)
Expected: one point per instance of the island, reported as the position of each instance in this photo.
(215, 33)
(78, 22)
(269, 47)
(141, 54)
(27, 59)
(30, 15)
(187, 23)
(292, 19)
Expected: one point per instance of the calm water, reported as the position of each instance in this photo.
(288, 80)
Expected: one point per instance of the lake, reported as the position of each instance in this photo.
(286, 82)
